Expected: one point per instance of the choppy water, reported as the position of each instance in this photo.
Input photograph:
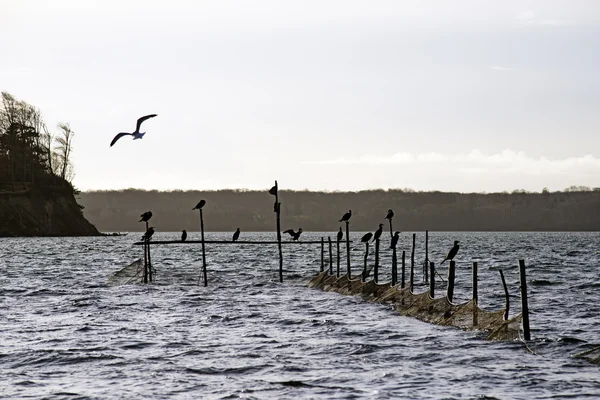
(66, 334)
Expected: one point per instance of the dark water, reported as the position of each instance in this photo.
(66, 334)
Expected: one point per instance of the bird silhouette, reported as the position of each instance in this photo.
(378, 232)
(273, 190)
(390, 214)
(452, 252)
(148, 233)
(395, 239)
(236, 235)
(346, 217)
(200, 204)
(146, 216)
(136, 134)
(183, 235)
(294, 235)
(366, 237)
(340, 235)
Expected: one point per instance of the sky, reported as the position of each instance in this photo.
(464, 95)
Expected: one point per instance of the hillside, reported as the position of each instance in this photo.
(227, 210)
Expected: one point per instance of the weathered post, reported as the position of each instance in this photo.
(403, 281)
(364, 274)
(277, 209)
(524, 305)
(337, 243)
(450, 288)
(348, 250)
(431, 280)
(412, 264)
(394, 267)
(376, 268)
(150, 277)
(426, 263)
(322, 254)
(204, 277)
(507, 307)
(145, 246)
(330, 257)
(475, 296)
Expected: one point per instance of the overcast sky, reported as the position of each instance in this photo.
(467, 95)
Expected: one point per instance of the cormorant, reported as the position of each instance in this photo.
(294, 235)
(366, 237)
(136, 134)
(273, 190)
(236, 234)
(148, 233)
(146, 216)
(390, 214)
(452, 252)
(395, 239)
(378, 232)
(346, 216)
(340, 235)
(200, 204)
(183, 235)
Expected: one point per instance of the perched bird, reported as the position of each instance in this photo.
(378, 232)
(340, 235)
(273, 190)
(200, 204)
(294, 235)
(236, 234)
(146, 216)
(136, 134)
(395, 239)
(346, 216)
(148, 233)
(183, 235)
(390, 214)
(366, 237)
(452, 252)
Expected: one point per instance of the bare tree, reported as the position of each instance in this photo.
(63, 151)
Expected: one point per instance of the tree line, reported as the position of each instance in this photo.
(226, 210)
(31, 152)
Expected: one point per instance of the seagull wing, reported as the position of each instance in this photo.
(142, 119)
(119, 136)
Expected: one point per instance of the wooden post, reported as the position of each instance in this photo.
(337, 243)
(403, 281)
(150, 276)
(364, 274)
(475, 296)
(426, 263)
(146, 255)
(348, 250)
(507, 307)
(431, 280)
(204, 277)
(376, 268)
(277, 210)
(524, 304)
(322, 254)
(330, 257)
(412, 264)
(391, 231)
(450, 288)
(394, 267)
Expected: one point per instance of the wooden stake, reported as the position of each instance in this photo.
(278, 213)
(337, 244)
(524, 305)
(426, 263)
(412, 264)
(348, 250)
(204, 276)
(507, 307)
(431, 280)
(403, 281)
(322, 254)
(450, 288)
(364, 274)
(330, 257)
(376, 268)
(394, 267)
(475, 296)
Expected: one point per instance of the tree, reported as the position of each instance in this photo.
(63, 152)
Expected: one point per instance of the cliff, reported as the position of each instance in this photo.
(227, 210)
(43, 211)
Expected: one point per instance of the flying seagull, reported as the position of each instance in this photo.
(200, 204)
(452, 252)
(136, 134)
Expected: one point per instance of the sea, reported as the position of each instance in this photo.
(67, 334)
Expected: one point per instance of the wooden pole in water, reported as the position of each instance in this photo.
(145, 277)
(412, 264)
(150, 277)
(403, 281)
(322, 254)
(507, 307)
(348, 250)
(376, 268)
(204, 276)
(450, 288)
(330, 256)
(391, 232)
(394, 267)
(475, 296)
(426, 263)
(431, 280)
(337, 244)
(364, 274)
(524, 305)
(277, 209)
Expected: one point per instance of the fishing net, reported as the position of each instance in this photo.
(133, 273)
(592, 355)
(421, 306)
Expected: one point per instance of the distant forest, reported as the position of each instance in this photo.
(575, 209)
